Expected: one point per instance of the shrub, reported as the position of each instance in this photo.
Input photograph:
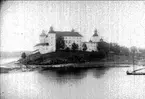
(23, 56)
(67, 49)
(74, 46)
(84, 47)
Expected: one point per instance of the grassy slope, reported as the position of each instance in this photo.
(61, 57)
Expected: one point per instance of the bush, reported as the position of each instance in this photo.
(84, 47)
(67, 49)
(60, 44)
(99, 55)
(74, 46)
(23, 56)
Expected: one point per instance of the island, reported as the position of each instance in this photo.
(68, 49)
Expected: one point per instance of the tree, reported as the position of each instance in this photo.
(124, 50)
(84, 47)
(60, 44)
(103, 47)
(67, 49)
(115, 48)
(74, 46)
(133, 49)
(23, 55)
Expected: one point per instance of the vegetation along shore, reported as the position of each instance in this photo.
(108, 54)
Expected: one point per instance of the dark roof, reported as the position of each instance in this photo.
(66, 33)
(89, 42)
(95, 34)
(42, 44)
(101, 40)
(35, 50)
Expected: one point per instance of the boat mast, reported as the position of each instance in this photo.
(134, 49)
(133, 60)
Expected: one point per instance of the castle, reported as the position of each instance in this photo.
(47, 40)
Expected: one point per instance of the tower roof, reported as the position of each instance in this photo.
(95, 33)
(51, 29)
(42, 44)
(101, 40)
(43, 33)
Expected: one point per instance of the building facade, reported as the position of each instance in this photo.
(69, 37)
(47, 41)
(91, 46)
(69, 40)
(95, 37)
(93, 43)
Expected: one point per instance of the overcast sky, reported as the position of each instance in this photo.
(116, 21)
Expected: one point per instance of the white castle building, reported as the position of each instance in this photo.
(48, 41)
(93, 43)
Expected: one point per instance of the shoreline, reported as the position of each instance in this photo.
(87, 65)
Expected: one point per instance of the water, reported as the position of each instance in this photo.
(104, 83)
(7, 60)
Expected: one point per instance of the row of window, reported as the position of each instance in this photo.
(70, 41)
(72, 38)
(94, 45)
(70, 45)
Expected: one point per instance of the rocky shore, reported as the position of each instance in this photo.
(25, 68)
(68, 60)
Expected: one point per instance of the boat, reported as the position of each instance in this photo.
(134, 72)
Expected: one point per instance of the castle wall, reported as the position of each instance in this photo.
(69, 40)
(51, 39)
(91, 46)
(95, 39)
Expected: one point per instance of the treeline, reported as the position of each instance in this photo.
(61, 57)
(60, 45)
(65, 55)
(113, 48)
(103, 47)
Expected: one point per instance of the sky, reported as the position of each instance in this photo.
(22, 22)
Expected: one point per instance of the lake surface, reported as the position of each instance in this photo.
(7, 60)
(103, 83)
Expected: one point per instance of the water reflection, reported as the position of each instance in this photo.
(62, 76)
(99, 72)
(99, 83)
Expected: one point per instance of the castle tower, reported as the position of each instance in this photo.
(72, 30)
(51, 29)
(42, 37)
(51, 38)
(101, 40)
(95, 37)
